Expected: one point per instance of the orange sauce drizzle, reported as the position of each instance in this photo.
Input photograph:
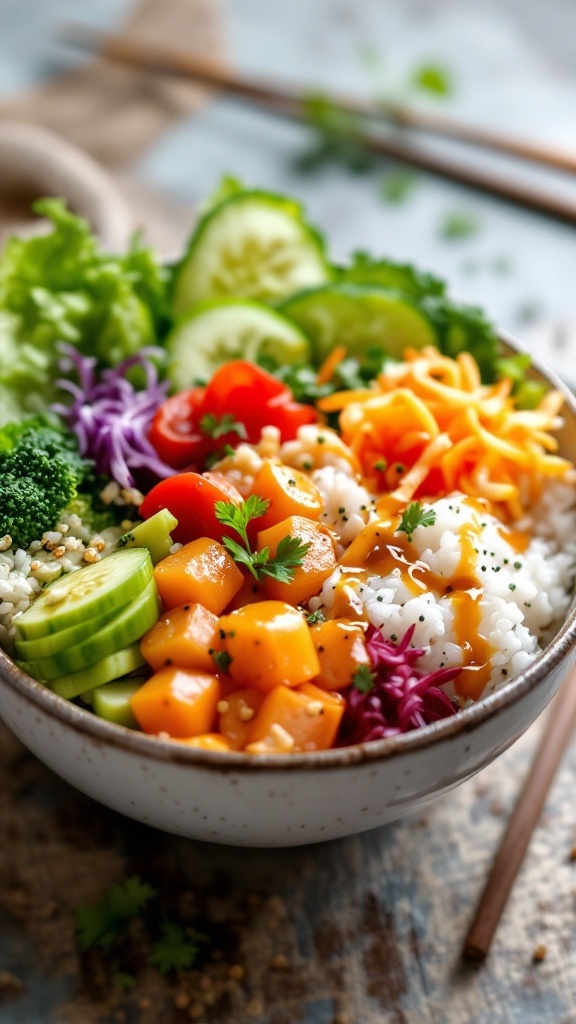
(380, 551)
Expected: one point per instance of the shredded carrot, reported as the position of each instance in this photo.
(430, 426)
(326, 371)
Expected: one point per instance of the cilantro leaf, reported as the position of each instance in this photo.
(414, 516)
(101, 924)
(218, 426)
(363, 679)
(289, 553)
(177, 949)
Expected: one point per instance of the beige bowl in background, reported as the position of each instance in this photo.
(34, 163)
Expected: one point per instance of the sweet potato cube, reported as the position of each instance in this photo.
(183, 637)
(291, 721)
(208, 741)
(201, 571)
(290, 493)
(341, 649)
(317, 564)
(236, 715)
(269, 643)
(178, 701)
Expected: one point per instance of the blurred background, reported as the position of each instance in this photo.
(505, 65)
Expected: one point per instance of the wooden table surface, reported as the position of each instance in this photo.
(365, 930)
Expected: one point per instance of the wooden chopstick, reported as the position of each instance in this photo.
(159, 59)
(557, 734)
(291, 104)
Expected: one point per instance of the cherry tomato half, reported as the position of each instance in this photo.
(191, 497)
(175, 432)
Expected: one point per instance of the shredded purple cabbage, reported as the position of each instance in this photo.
(402, 697)
(110, 418)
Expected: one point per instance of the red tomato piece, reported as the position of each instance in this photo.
(175, 432)
(257, 399)
(191, 498)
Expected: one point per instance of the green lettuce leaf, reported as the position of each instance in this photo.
(60, 286)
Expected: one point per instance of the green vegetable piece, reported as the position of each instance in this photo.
(127, 626)
(113, 667)
(217, 331)
(59, 287)
(93, 591)
(39, 476)
(458, 225)
(48, 646)
(363, 679)
(254, 245)
(154, 534)
(361, 317)
(432, 78)
(112, 702)
(404, 277)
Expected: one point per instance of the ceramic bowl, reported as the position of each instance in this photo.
(285, 800)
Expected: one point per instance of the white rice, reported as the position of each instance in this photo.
(522, 597)
(348, 506)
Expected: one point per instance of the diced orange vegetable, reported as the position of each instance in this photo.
(290, 721)
(269, 643)
(208, 741)
(341, 648)
(177, 701)
(235, 721)
(318, 562)
(250, 592)
(183, 637)
(290, 493)
(201, 571)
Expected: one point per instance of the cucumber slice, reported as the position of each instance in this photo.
(363, 318)
(87, 593)
(113, 667)
(47, 646)
(218, 330)
(112, 702)
(153, 534)
(254, 245)
(133, 621)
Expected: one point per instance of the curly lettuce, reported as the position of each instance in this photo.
(60, 286)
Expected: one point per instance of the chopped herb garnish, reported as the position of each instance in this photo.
(415, 516)
(363, 679)
(314, 617)
(397, 186)
(216, 426)
(290, 552)
(459, 224)
(177, 949)
(432, 78)
(222, 660)
(103, 923)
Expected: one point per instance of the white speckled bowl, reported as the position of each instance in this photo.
(281, 800)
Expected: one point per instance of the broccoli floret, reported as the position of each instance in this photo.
(36, 485)
(94, 514)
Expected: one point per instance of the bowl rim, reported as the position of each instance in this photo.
(102, 732)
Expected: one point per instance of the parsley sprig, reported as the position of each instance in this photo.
(101, 924)
(363, 679)
(217, 426)
(177, 949)
(414, 516)
(290, 552)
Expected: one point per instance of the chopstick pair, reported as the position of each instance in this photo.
(287, 102)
